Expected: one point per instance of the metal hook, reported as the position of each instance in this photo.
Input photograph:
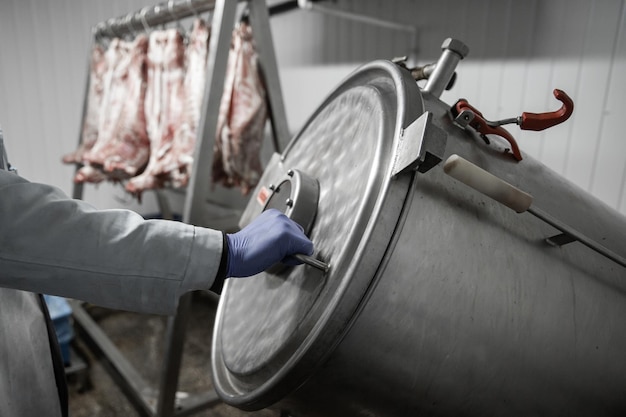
(466, 115)
(170, 5)
(193, 9)
(110, 24)
(541, 121)
(157, 10)
(128, 19)
(142, 16)
(97, 30)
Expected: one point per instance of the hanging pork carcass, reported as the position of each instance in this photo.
(242, 116)
(434, 298)
(122, 147)
(93, 106)
(163, 104)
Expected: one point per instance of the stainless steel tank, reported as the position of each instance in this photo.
(439, 300)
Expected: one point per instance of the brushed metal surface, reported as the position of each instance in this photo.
(341, 149)
(473, 314)
(273, 328)
(467, 312)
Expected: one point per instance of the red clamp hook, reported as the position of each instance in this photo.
(541, 121)
(465, 114)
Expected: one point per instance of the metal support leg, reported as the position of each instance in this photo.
(260, 22)
(122, 371)
(175, 337)
(219, 47)
(137, 390)
(221, 34)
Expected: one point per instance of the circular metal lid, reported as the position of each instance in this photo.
(272, 330)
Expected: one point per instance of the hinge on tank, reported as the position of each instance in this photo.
(466, 115)
(421, 146)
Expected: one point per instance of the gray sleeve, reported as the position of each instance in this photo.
(114, 258)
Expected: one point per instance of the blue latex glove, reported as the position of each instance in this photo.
(271, 238)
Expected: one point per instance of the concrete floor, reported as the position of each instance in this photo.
(141, 340)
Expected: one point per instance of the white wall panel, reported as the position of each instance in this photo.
(608, 180)
(595, 70)
(43, 62)
(520, 51)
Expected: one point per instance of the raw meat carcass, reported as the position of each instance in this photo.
(123, 148)
(241, 121)
(194, 85)
(93, 106)
(89, 173)
(163, 104)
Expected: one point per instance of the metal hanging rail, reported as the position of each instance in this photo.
(152, 16)
(345, 14)
(171, 11)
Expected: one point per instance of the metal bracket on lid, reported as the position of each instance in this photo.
(421, 146)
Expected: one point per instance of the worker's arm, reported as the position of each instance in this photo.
(55, 245)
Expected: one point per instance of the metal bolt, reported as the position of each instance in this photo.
(457, 46)
(290, 172)
(289, 202)
(272, 187)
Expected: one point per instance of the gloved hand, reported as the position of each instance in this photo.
(269, 239)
